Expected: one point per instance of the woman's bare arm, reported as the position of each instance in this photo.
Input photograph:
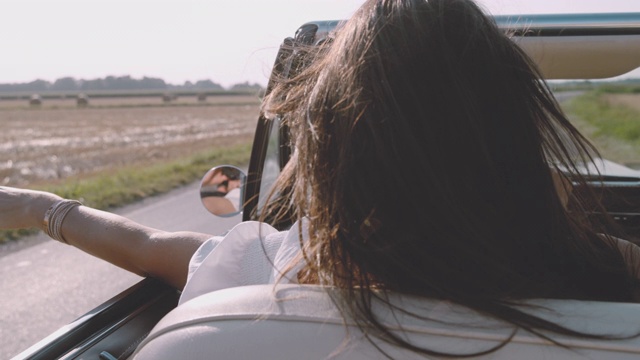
(116, 239)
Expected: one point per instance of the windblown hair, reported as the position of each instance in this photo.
(424, 143)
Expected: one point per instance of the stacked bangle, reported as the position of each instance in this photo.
(54, 217)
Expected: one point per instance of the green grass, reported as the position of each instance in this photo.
(614, 129)
(611, 120)
(619, 89)
(126, 185)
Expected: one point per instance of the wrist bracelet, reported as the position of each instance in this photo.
(54, 216)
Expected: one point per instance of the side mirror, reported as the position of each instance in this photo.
(222, 190)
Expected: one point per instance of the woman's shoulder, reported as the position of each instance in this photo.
(248, 254)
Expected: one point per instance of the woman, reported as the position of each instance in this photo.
(425, 144)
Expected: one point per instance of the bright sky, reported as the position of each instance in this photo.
(227, 41)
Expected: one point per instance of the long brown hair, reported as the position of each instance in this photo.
(424, 141)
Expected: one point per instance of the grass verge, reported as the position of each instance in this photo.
(112, 189)
(614, 129)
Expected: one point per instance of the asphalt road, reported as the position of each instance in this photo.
(45, 285)
(566, 95)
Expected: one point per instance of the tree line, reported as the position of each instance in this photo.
(109, 83)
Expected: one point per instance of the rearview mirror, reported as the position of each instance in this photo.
(222, 190)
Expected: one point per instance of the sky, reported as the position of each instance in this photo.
(226, 41)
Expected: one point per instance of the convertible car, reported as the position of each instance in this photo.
(144, 323)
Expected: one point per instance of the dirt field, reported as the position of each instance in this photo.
(58, 140)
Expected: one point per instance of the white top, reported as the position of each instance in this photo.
(251, 253)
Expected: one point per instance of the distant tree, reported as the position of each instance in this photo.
(92, 85)
(65, 84)
(38, 85)
(246, 86)
(10, 87)
(152, 83)
(120, 83)
(208, 84)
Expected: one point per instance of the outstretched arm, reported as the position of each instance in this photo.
(118, 240)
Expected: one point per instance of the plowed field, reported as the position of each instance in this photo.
(58, 139)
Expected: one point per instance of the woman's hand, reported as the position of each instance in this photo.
(215, 178)
(21, 208)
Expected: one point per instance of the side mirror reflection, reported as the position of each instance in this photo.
(222, 190)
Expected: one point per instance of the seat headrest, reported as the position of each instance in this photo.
(301, 321)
